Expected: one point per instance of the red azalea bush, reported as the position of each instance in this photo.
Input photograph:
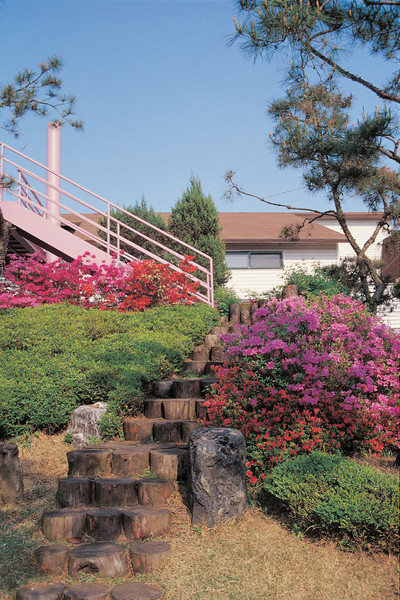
(318, 374)
(29, 281)
(150, 284)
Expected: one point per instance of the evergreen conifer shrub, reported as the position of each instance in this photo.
(334, 495)
(195, 220)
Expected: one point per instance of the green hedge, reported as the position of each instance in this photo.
(328, 494)
(53, 358)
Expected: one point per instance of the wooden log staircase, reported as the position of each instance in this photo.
(111, 517)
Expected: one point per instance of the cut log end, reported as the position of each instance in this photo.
(102, 559)
(51, 559)
(47, 591)
(135, 591)
(87, 591)
(149, 556)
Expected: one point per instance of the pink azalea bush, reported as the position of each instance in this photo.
(32, 282)
(29, 282)
(337, 367)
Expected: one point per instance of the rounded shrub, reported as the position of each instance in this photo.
(325, 494)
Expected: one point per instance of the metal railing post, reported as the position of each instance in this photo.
(1, 171)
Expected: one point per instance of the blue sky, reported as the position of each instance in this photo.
(161, 95)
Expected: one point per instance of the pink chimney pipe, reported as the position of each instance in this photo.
(53, 163)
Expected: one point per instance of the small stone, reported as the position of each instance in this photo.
(83, 423)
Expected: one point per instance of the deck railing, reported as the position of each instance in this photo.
(26, 182)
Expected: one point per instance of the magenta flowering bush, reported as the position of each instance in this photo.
(32, 282)
(309, 374)
(329, 344)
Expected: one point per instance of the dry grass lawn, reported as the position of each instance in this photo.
(253, 559)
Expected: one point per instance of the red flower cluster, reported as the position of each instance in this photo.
(145, 284)
(152, 284)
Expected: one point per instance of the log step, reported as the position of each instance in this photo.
(64, 524)
(52, 559)
(90, 462)
(200, 354)
(149, 556)
(115, 491)
(102, 559)
(138, 430)
(46, 591)
(74, 492)
(130, 461)
(135, 591)
(174, 409)
(154, 492)
(106, 524)
(219, 330)
(173, 431)
(194, 366)
(171, 463)
(141, 523)
(87, 591)
(218, 354)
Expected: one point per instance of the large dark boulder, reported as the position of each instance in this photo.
(217, 487)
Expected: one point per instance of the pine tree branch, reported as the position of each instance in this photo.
(382, 2)
(381, 93)
(233, 187)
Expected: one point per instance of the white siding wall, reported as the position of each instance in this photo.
(248, 281)
(392, 317)
(362, 231)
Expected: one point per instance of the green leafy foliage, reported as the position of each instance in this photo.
(225, 296)
(54, 358)
(194, 219)
(333, 495)
(315, 281)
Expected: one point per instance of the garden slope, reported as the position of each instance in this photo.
(53, 358)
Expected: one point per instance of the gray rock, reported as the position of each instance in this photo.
(83, 423)
(217, 484)
(11, 479)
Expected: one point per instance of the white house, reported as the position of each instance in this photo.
(257, 253)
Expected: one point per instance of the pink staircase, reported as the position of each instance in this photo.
(53, 213)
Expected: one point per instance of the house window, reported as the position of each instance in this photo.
(254, 260)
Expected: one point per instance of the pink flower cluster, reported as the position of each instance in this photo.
(30, 282)
(326, 346)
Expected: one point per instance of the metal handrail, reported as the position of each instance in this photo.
(30, 197)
